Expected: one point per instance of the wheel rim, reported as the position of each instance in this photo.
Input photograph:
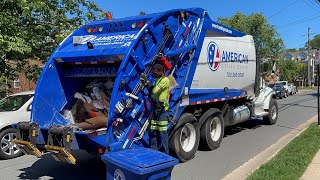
(188, 137)
(7, 145)
(215, 129)
(273, 112)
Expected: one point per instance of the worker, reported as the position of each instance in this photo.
(160, 97)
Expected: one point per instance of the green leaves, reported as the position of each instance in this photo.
(266, 38)
(33, 28)
(315, 42)
(290, 70)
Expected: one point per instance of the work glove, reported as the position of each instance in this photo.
(144, 78)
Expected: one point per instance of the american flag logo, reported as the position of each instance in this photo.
(213, 56)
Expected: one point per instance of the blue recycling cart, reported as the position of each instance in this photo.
(140, 163)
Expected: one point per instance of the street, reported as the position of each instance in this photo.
(241, 143)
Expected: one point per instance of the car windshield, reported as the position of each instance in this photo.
(13, 103)
(284, 83)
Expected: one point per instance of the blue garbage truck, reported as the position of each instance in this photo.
(212, 68)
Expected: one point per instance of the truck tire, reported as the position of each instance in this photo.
(211, 129)
(8, 149)
(185, 139)
(273, 113)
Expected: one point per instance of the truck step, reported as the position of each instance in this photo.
(27, 148)
(60, 154)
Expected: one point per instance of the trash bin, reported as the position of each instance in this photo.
(136, 164)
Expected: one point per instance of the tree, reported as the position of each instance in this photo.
(33, 28)
(290, 70)
(315, 42)
(266, 38)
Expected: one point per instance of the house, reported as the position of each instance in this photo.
(20, 83)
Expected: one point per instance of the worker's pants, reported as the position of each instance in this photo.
(159, 135)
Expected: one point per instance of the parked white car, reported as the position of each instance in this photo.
(13, 109)
(287, 87)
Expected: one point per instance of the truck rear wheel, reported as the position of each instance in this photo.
(273, 113)
(212, 129)
(185, 139)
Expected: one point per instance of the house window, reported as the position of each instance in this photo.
(16, 83)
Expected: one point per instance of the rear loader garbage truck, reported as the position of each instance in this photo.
(212, 71)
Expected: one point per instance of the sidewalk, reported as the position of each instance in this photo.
(313, 170)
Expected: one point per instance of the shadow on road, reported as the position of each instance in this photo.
(87, 167)
(252, 124)
(283, 106)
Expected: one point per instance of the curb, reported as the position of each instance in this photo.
(253, 164)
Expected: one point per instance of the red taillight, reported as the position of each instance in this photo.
(121, 23)
(95, 29)
(100, 150)
(140, 24)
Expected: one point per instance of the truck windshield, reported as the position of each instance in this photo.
(13, 103)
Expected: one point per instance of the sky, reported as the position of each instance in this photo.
(291, 18)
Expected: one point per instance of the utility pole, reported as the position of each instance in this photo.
(309, 58)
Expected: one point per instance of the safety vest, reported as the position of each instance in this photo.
(160, 92)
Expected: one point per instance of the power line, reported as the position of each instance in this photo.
(310, 5)
(283, 9)
(306, 19)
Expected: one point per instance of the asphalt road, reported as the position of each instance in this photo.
(242, 142)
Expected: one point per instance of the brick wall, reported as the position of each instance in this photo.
(25, 84)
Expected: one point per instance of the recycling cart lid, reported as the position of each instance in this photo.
(140, 161)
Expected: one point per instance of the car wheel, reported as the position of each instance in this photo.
(273, 113)
(8, 149)
(185, 139)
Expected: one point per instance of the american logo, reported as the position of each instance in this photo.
(213, 56)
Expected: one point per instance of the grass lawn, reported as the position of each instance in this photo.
(308, 88)
(291, 162)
